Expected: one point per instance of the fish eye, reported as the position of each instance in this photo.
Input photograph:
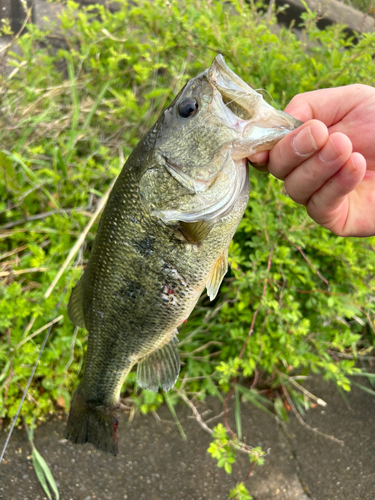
(188, 107)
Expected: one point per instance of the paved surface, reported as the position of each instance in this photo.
(154, 463)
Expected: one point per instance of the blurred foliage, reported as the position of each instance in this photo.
(71, 113)
(366, 6)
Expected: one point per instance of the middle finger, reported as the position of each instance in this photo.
(310, 176)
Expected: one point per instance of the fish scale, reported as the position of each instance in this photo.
(163, 237)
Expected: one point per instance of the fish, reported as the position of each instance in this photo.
(162, 239)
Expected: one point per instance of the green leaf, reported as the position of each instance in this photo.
(44, 474)
(174, 415)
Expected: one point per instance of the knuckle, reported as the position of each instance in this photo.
(312, 208)
(298, 99)
(294, 192)
(276, 171)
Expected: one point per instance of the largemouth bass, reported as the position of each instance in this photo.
(163, 237)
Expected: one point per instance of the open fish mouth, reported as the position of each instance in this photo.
(247, 104)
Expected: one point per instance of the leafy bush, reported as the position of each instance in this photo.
(71, 115)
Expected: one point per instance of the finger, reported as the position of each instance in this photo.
(310, 176)
(260, 161)
(328, 105)
(296, 148)
(260, 168)
(329, 206)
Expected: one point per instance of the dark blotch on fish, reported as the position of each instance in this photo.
(144, 246)
(132, 290)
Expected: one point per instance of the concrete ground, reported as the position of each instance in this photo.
(154, 462)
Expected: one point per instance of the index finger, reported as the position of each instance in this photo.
(296, 147)
(328, 105)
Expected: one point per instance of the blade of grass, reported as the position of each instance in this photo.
(23, 271)
(254, 398)
(214, 389)
(175, 418)
(80, 240)
(343, 395)
(34, 121)
(42, 471)
(59, 163)
(46, 473)
(40, 475)
(96, 104)
(364, 388)
(363, 374)
(75, 102)
(40, 330)
(307, 393)
(12, 252)
(280, 410)
(237, 412)
(370, 377)
(48, 230)
(16, 158)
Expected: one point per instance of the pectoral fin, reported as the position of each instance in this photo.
(217, 274)
(75, 308)
(195, 232)
(161, 367)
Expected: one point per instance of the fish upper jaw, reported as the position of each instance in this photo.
(244, 110)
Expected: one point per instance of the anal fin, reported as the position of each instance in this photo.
(161, 367)
(75, 308)
(217, 274)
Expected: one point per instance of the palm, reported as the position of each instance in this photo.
(361, 207)
(350, 110)
(359, 124)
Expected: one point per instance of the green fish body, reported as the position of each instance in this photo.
(163, 237)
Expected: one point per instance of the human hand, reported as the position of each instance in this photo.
(328, 164)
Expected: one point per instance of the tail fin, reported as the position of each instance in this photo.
(92, 424)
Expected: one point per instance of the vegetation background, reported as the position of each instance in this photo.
(367, 6)
(297, 300)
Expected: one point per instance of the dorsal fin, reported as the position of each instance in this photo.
(161, 367)
(75, 308)
(217, 274)
(195, 232)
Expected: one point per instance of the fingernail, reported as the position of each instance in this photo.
(329, 152)
(349, 168)
(303, 143)
(255, 164)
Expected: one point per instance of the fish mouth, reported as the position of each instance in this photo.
(245, 103)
